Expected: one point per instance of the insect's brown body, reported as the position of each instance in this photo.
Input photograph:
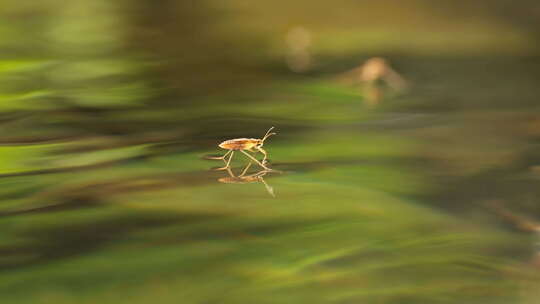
(240, 144)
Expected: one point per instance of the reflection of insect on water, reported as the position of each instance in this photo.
(246, 179)
(253, 145)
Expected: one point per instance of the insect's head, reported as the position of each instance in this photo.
(268, 134)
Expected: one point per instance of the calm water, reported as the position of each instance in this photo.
(430, 196)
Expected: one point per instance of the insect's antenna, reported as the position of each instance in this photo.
(268, 134)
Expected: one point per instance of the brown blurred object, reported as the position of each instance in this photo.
(378, 68)
(521, 223)
(298, 57)
(375, 76)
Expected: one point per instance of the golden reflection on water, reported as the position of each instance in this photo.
(242, 178)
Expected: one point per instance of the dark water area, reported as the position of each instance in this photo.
(111, 115)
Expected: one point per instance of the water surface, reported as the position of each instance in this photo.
(107, 195)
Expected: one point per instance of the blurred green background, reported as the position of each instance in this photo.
(420, 191)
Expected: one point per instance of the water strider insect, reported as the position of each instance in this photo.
(253, 145)
(246, 179)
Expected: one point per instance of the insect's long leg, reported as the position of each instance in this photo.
(254, 152)
(223, 159)
(228, 161)
(255, 160)
(230, 158)
(245, 170)
(264, 153)
(230, 151)
(219, 157)
(230, 172)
